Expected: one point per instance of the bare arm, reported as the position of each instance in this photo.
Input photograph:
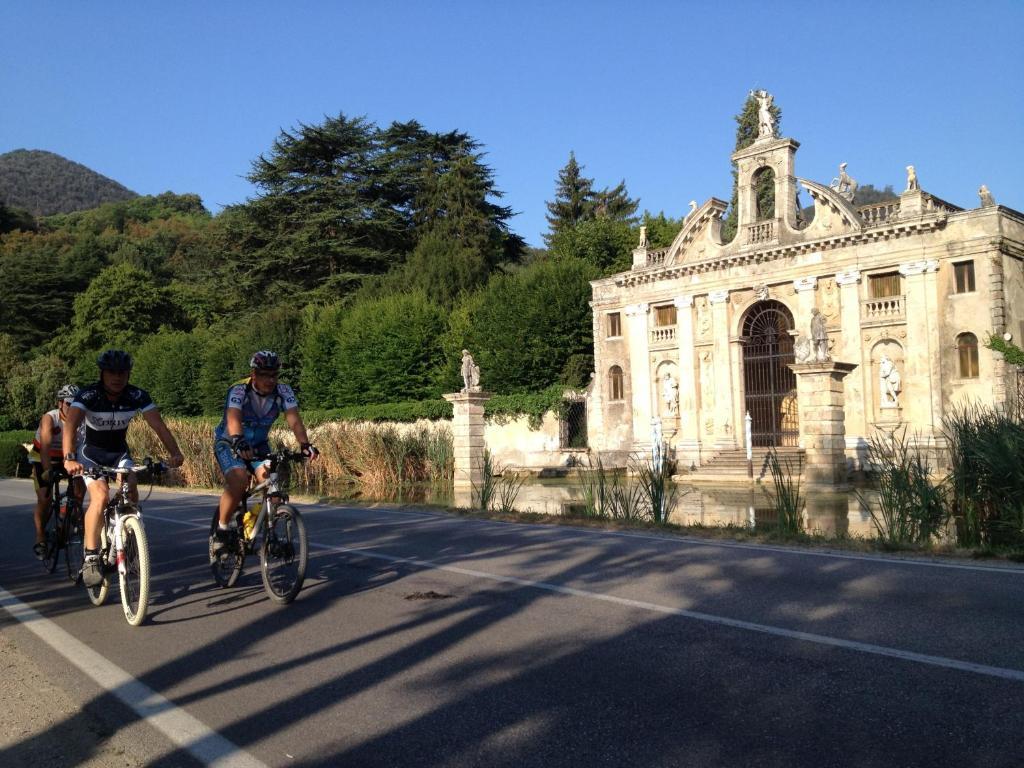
(45, 436)
(297, 427)
(156, 421)
(74, 421)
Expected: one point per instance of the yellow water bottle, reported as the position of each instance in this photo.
(249, 519)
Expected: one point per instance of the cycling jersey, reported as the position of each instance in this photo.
(258, 411)
(106, 420)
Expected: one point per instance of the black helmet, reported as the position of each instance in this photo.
(114, 360)
(265, 360)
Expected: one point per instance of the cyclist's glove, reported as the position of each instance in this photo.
(239, 444)
(309, 451)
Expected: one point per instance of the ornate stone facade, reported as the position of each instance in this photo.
(914, 284)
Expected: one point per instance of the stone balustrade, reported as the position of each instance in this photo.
(663, 334)
(886, 309)
(761, 232)
(657, 258)
(879, 213)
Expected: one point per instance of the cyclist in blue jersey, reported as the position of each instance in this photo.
(250, 409)
(106, 407)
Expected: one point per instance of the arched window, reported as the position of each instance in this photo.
(616, 391)
(967, 349)
(764, 193)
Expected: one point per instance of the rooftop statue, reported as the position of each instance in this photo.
(986, 196)
(693, 208)
(912, 179)
(643, 237)
(845, 185)
(765, 120)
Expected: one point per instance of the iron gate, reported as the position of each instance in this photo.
(769, 384)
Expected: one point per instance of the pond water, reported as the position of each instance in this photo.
(741, 505)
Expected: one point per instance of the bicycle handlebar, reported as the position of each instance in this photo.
(148, 465)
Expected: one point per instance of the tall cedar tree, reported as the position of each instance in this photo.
(746, 134)
(345, 199)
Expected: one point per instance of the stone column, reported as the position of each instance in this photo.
(688, 440)
(637, 334)
(725, 430)
(804, 287)
(819, 388)
(922, 392)
(468, 445)
(858, 404)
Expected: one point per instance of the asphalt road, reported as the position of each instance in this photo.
(422, 639)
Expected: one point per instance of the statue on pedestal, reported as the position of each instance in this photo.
(643, 237)
(470, 373)
(912, 179)
(890, 383)
(670, 393)
(986, 196)
(845, 185)
(765, 120)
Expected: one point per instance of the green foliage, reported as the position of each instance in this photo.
(388, 349)
(316, 351)
(30, 389)
(659, 492)
(15, 218)
(576, 202)
(11, 454)
(45, 183)
(661, 230)
(168, 365)
(527, 325)
(121, 306)
(225, 361)
(986, 476)
(407, 411)
(1011, 353)
(786, 499)
(534, 405)
(604, 242)
(867, 194)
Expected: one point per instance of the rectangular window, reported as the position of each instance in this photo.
(614, 325)
(964, 274)
(883, 286)
(665, 315)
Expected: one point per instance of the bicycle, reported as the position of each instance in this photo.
(123, 544)
(275, 528)
(64, 526)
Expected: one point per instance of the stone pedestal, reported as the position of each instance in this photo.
(820, 389)
(468, 445)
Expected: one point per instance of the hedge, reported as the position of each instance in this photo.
(11, 455)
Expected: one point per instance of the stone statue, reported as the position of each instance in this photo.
(693, 208)
(470, 373)
(670, 393)
(657, 442)
(890, 383)
(986, 196)
(912, 179)
(643, 237)
(761, 292)
(844, 184)
(803, 350)
(819, 336)
(765, 121)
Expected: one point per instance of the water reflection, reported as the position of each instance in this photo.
(827, 514)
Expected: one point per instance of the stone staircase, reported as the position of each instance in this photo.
(732, 465)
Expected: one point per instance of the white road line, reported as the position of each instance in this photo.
(790, 634)
(184, 730)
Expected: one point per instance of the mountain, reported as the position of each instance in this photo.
(45, 183)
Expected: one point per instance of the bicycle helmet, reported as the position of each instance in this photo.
(67, 393)
(114, 360)
(265, 360)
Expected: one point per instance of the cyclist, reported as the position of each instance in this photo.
(46, 453)
(251, 407)
(106, 407)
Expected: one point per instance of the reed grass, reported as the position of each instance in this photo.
(786, 498)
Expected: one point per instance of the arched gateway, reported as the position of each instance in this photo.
(768, 383)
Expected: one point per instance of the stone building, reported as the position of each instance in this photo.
(697, 335)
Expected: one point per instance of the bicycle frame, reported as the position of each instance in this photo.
(270, 488)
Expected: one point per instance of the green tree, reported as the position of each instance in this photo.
(388, 350)
(316, 349)
(31, 389)
(528, 324)
(661, 229)
(603, 242)
(168, 365)
(746, 134)
(574, 199)
(615, 203)
(121, 306)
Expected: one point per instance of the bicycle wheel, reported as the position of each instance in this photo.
(135, 577)
(226, 565)
(98, 594)
(54, 529)
(283, 554)
(74, 548)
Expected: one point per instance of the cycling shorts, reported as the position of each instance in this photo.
(227, 460)
(92, 457)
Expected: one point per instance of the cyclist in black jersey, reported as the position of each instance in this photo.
(106, 407)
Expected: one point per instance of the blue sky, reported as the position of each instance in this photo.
(183, 96)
